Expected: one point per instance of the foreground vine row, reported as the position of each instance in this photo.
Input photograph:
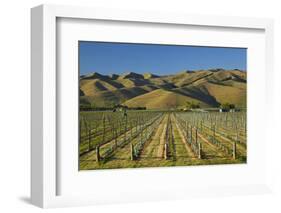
(158, 138)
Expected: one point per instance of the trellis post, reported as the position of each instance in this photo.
(165, 151)
(132, 152)
(234, 150)
(103, 135)
(196, 136)
(98, 153)
(191, 134)
(131, 130)
(125, 134)
(199, 151)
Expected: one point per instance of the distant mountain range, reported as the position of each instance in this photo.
(209, 88)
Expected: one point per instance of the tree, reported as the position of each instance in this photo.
(227, 106)
(192, 105)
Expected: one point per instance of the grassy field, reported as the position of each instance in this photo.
(134, 139)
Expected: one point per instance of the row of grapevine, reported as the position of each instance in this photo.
(145, 136)
(197, 122)
(169, 148)
(191, 135)
(142, 132)
(110, 139)
(108, 127)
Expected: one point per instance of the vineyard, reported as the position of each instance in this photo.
(143, 138)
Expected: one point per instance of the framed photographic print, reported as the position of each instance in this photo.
(148, 105)
(172, 116)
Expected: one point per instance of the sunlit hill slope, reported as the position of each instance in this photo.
(208, 88)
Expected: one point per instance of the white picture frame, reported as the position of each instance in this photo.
(44, 154)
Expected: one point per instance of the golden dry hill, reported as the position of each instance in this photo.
(209, 88)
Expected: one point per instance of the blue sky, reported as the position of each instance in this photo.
(108, 58)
